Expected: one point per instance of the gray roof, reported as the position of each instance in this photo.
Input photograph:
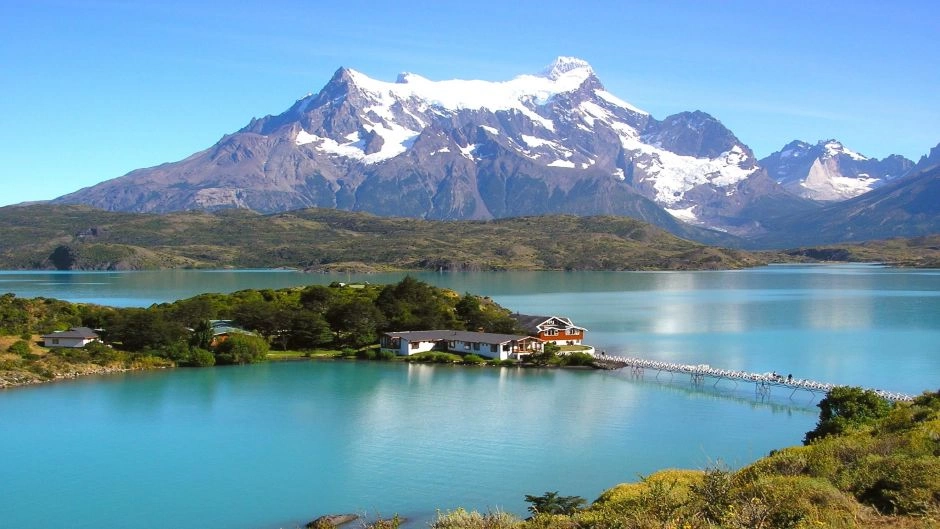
(530, 323)
(462, 336)
(74, 332)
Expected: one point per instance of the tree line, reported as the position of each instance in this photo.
(337, 316)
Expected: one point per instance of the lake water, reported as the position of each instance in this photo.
(278, 444)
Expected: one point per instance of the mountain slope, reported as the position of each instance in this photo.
(828, 171)
(556, 142)
(906, 207)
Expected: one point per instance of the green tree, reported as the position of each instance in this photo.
(413, 305)
(548, 355)
(356, 322)
(138, 329)
(469, 311)
(553, 503)
(202, 335)
(307, 329)
(317, 298)
(242, 349)
(845, 408)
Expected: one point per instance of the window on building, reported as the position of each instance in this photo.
(494, 348)
(550, 332)
(476, 346)
(572, 331)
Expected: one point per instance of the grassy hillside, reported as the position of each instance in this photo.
(919, 252)
(81, 238)
(880, 470)
(76, 237)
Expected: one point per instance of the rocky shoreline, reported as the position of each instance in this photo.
(12, 378)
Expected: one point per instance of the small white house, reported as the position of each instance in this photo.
(74, 337)
(488, 345)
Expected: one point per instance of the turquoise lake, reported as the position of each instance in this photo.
(276, 445)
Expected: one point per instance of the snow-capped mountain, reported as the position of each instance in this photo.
(829, 171)
(553, 142)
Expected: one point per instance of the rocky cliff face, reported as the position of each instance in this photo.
(555, 142)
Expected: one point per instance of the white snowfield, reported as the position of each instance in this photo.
(398, 112)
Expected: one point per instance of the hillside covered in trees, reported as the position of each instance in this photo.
(332, 317)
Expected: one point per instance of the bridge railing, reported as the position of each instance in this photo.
(775, 379)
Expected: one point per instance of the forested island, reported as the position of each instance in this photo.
(324, 240)
(338, 320)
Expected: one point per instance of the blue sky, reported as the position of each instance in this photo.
(92, 89)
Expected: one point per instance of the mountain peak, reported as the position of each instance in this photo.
(834, 147)
(563, 66)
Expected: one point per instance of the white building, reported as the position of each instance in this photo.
(488, 345)
(74, 337)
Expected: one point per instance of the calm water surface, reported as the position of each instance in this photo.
(278, 444)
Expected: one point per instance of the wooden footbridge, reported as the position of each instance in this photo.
(763, 382)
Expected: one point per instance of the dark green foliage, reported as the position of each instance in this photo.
(201, 336)
(301, 319)
(576, 359)
(137, 329)
(845, 408)
(472, 359)
(553, 503)
(19, 347)
(101, 354)
(366, 354)
(413, 305)
(434, 357)
(242, 349)
(549, 355)
(199, 357)
(356, 322)
(306, 329)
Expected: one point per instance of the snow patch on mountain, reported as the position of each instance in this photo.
(684, 214)
(835, 148)
(672, 175)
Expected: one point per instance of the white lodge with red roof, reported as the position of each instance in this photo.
(555, 329)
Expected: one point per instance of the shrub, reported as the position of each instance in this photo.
(366, 354)
(577, 359)
(19, 347)
(434, 357)
(899, 484)
(553, 503)
(242, 349)
(198, 357)
(385, 354)
(845, 408)
(472, 359)
(461, 519)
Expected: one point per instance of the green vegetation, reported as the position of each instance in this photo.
(77, 237)
(304, 321)
(880, 468)
(917, 252)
